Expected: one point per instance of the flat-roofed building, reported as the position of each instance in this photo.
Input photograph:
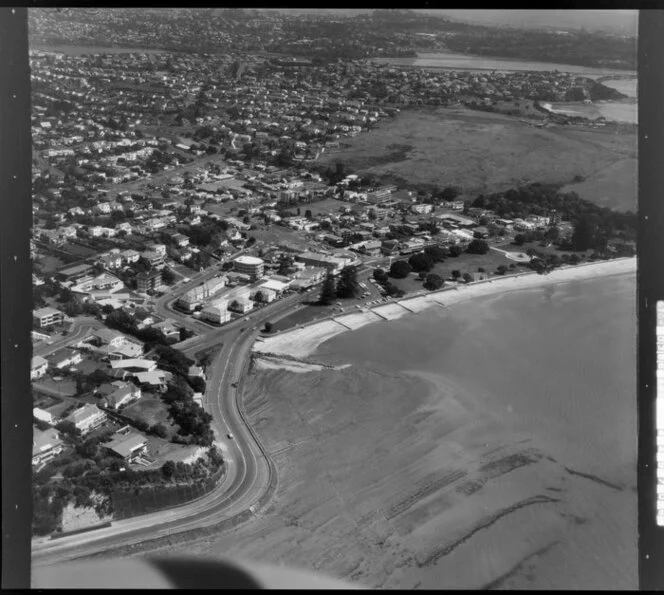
(252, 266)
(46, 445)
(308, 277)
(330, 263)
(87, 418)
(216, 312)
(47, 316)
(195, 296)
(149, 280)
(156, 259)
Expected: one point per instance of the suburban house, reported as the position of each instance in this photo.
(87, 418)
(65, 358)
(241, 306)
(389, 247)
(45, 317)
(127, 444)
(45, 445)
(122, 396)
(38, 367)
(112, 342)
(196, 372)
(152, 379)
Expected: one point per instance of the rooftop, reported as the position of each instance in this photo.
(250, 260)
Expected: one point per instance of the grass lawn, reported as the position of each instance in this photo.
(60, 388)
(45, 401)
(489, 152)
(161, 450)
(466, 263)
(149, 409)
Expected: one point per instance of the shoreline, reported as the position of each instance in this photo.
(301, 342)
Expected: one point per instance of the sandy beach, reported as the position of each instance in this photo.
(303, 341)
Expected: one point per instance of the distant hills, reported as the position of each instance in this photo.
(620, 22)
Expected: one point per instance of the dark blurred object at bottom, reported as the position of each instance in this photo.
(176, 572)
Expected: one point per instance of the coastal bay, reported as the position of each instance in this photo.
(411, 469)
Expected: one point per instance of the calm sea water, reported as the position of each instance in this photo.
(562, 360)
(557, 365)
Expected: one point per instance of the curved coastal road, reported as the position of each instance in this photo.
(247, 469)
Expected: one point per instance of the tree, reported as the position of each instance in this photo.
(450, 193)
(328, 292)
(455, 251)
(400, 269)
(478, 247)
(167, 276)
(308, 214)
(436, 252)
(268, 327)
(433, 281)
(198, 384)
(552, 234)
(259, 297)
(467, 277)
(159, 430)
(502, 269)
(348, 286)
(520, 239)
(584, 234)
(168, 469)
(421, 262)
(69, 429)
(185, 334)
(285, 264)
(380, 276)
(456, 274)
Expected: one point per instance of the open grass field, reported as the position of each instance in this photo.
(466, 263)
(487, 152)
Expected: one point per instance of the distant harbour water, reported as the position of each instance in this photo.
(469, 62)
(620, 111)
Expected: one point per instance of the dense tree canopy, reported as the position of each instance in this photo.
(433, 281)
(329, 291)
(477, 247)
(400, 269)
(348, 286)
(421, 262)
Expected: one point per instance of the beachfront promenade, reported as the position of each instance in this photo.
(303, 340)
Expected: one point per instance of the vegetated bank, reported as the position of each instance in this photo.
(487, 152)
